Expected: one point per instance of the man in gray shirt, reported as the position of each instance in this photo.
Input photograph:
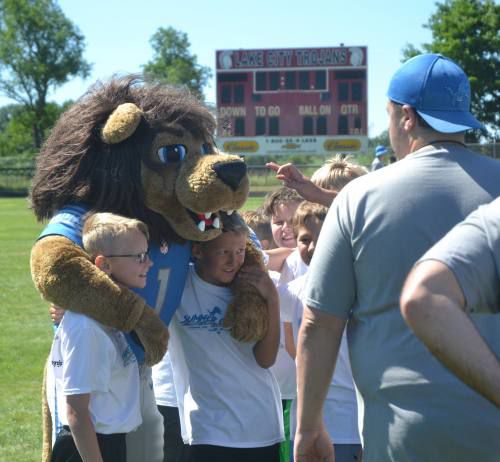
(460, 275)
(377, 228)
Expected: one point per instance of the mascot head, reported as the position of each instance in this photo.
(141, 150)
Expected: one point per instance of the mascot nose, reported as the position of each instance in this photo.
(231, 173)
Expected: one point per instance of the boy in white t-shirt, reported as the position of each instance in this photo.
(340, 409)
(92, 368)
(279, 206)
(330, 178)
(228, 399)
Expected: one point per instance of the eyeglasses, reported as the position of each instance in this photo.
(140, 257)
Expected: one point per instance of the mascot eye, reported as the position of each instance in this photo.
(207, 148)
(172, 153)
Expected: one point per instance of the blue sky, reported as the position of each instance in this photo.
(117, 34)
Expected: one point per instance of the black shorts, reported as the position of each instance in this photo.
(208, 453)
(113, 447)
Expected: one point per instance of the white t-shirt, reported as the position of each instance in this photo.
(87, 357)
(225, 398)
(284, 366)
(163, 382)
(340, 413)
(293, 267)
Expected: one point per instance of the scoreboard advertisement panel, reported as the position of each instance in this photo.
(292, 101)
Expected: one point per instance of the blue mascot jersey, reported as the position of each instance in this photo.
(166, 278)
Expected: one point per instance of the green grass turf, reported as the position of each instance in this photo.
(252, 203)
(25, 334)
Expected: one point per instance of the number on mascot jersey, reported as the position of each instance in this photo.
(163, 277)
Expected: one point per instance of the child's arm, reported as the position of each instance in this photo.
(277, 258)
(293, 178)
(266, 349)
(289, 341)
(82, 428)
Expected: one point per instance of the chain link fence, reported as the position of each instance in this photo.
(15, 181)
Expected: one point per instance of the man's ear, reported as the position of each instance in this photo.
(409, 117)
(103, 264)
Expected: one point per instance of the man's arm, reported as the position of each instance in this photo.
(317, 349)
(432, 303)
(82, 429)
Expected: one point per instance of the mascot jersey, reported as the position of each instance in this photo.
(166, 278)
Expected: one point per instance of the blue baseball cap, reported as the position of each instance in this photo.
(439, 91)
(380, 150)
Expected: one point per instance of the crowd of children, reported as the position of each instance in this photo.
(220, 399)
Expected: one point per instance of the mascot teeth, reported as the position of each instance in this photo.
(216, 223)
(205, 221)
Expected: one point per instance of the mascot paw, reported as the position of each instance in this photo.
(153, 335)
(247, 315)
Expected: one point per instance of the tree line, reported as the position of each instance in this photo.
(41, 49)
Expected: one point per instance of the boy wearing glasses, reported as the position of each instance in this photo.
(91, 367)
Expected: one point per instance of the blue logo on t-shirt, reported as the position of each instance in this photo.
(128, 356)
(212, 320)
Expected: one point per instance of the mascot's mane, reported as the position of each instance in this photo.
(76, 166)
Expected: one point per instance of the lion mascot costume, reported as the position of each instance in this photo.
(144, 151)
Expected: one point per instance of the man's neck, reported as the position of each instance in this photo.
(435, 139)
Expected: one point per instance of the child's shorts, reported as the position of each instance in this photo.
(113, 447)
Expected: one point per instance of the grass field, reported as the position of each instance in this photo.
(25, 334)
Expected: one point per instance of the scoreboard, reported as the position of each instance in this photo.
(294, 100)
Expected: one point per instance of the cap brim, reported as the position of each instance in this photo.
(451, 121)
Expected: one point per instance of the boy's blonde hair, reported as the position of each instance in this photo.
(336, 172)
(260, 224)
(282, 196)
(101, 230)
(305, 211)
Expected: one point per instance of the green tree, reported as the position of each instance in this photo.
(40, 49)
(467, 32)
(173, 63)
(16, 122)
(382, 138)
(15, 133)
